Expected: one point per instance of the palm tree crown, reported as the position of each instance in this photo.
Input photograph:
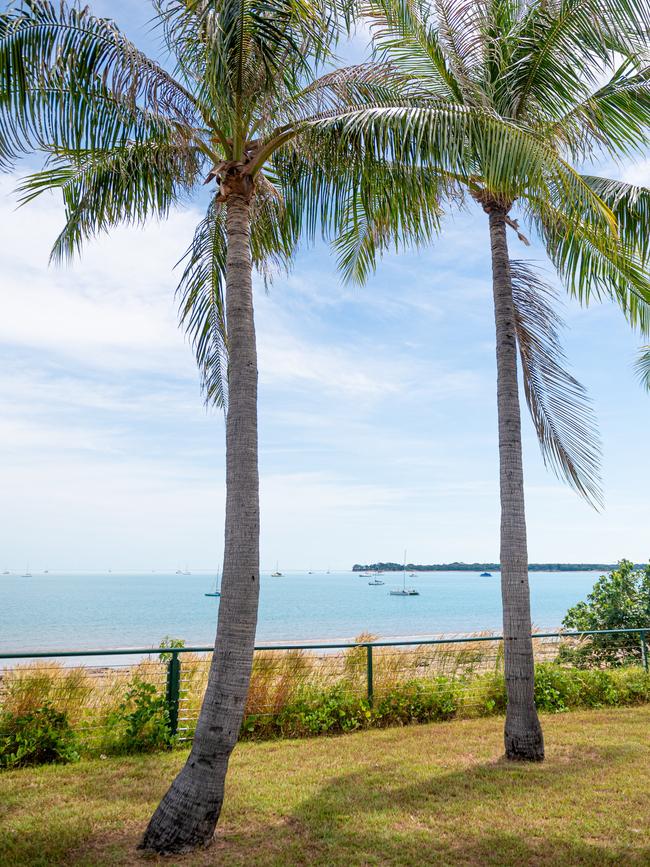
(560, 82)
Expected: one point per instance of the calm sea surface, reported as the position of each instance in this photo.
(74, 611)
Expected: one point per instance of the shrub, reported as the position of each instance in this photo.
(40, 736)
(169, 643)
(328, 710)
(483, 694)
(620, 600)
(418, 701)
(140, 723)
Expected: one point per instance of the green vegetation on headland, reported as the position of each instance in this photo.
(401, 797)
(483, 567)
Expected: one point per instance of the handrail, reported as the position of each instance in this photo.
(127, 651)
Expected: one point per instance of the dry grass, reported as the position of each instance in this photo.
(426, 795)
(86, 695)
(89, 695)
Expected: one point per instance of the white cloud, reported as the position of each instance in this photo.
(638, 173)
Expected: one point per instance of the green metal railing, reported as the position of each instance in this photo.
(173, 667)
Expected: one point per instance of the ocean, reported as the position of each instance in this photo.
(64, 610)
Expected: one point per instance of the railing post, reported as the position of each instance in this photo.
(173, 690)
(369, 673)
(644, 650)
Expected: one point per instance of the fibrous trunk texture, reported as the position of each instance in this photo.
(187, 815)
(523, 733)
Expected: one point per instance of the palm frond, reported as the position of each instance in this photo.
(406, 33)
(615, 118)
(202, 310)
(100, 190)
(559, 406)
(593, 263)
(642, 367)
(563, 48)
(70, 79)
(630, 204)
(245, 54)
(374, 219)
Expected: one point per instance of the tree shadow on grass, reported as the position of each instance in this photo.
(485, 814)
(477, 816)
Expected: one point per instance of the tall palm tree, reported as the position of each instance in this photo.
(125, 139)
(571, 78)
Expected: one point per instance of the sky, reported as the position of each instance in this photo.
(377, 405)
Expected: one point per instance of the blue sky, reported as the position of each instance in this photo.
(377, 406)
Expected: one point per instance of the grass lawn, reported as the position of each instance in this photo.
(435, 794)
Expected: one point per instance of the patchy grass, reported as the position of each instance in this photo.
(435, 794)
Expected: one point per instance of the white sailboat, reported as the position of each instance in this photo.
(27, 573)
(405, 591)
(277, 573)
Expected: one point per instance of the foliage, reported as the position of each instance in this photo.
(552, 92)
(620, 600)
(41, 736)
(169, 642)
(140, 723)
(340, 709)
(291, 700)
(419, 701)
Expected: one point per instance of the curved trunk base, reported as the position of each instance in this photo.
(186, 819)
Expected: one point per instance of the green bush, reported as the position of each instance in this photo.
(41, 736)
(139, 724)
(483, 694)
(316, 711)
(417, 701)
(620, 600)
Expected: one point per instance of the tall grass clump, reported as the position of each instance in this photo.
(54, 713)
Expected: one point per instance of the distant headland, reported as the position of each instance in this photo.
(482, 567)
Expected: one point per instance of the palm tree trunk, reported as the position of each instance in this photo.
(187, 815)
(523, 733)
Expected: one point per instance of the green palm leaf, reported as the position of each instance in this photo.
(643, 367)
(558, 403)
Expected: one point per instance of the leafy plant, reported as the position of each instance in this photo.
(40, 736)
(418, 701)
(140, 723)
(620, 600)
(169, 642)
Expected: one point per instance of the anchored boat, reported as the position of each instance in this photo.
(217, 586)
(405, 591)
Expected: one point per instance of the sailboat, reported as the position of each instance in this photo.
(217, 586)
(405, 591)
(376, 582)
(277, 573)
(27, 573)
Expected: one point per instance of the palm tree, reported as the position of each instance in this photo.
(570, 78)
(125, 140)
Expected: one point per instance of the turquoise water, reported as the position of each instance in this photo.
(75, 611)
